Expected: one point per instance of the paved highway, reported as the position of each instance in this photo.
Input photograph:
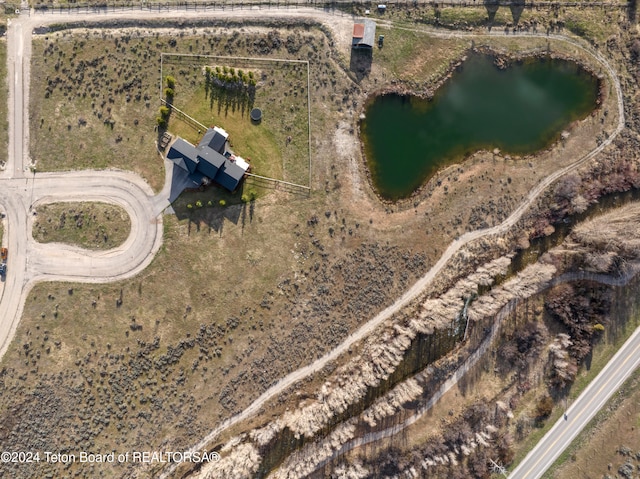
(621, 366)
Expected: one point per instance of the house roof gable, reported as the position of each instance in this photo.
(209, 161)
(183, 154)
(214, 140)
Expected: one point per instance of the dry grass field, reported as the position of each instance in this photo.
(240, 294)
(89, 225)
(94, 102)
(611, 444)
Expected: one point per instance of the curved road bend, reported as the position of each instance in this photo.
(30, 262)
(67, 263)
(19, 46)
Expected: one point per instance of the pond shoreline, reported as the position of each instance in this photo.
(502, 61)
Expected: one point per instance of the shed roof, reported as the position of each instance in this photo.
(364, 34)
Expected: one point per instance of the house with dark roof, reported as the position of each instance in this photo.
(184, 154)
(209, 162)
(230, 175)
(214, 138)
(210, 159)
(364, 34)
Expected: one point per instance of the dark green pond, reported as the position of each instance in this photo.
(521, 109)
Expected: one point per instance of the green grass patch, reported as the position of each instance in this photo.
(593, 29)
(89, 225)
(403, 54)
(278, 146)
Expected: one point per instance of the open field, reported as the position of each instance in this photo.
(89, 225)
(94, 103)
(101, 86)
(242, 294)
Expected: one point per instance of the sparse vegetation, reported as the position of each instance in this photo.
(89, 225)
(212, 308)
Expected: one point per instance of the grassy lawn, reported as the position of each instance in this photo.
(90, 225)
(278, 147)
(401, 55)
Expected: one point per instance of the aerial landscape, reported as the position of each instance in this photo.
(346, 240)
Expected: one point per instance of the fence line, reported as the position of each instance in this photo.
(204, 5)
(195, 123)
(193, 57)
(294, 187)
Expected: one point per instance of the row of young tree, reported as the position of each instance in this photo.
(229, 75)
(230, 88)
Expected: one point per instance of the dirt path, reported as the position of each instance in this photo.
(473, 359)
(453, 248)
(22, 27)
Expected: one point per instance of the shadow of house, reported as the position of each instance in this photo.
(180, 181)
(360, 62)
(212, 218)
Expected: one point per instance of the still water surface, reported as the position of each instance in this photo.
(521, 109)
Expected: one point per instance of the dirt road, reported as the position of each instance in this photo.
(473, 359)
(423, 282)
(30, 262)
